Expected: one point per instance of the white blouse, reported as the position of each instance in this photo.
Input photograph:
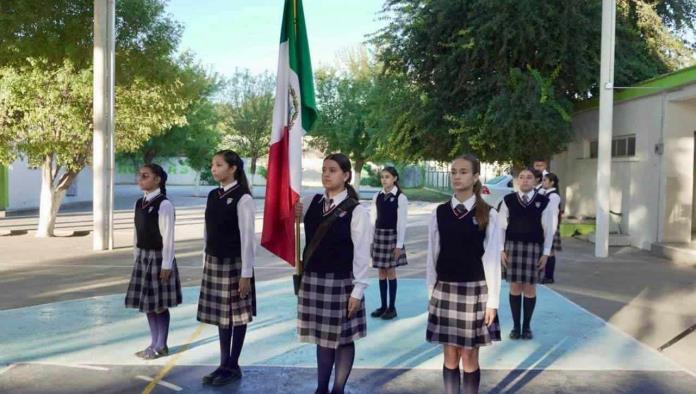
(402, 214)
(166, 218)
(491, 255)
(549, 221)
(360, 233)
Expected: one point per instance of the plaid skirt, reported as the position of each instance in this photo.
(146, 292)
(322, 311)
(522, 262)
(557, 242)
(219, 302)
(383, 246)
(456, 315)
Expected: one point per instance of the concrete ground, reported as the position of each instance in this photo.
(64, 328)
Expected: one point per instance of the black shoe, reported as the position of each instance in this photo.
(378, 312)
(153, 354)
(547, 281)
(227, 376)
(207, 379)
(527, 334)
(389, 314)
(142, 353)
(515, 334)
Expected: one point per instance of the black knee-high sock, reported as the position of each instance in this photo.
(550, 267)
(345, 355)
(325, 363)
(471, 382)
(162, 329)
(383, 292)
(225, 339)
(392, 293)
(529, 304)
(238, 334)
(152, 321)
(516, 308)
(452, 380)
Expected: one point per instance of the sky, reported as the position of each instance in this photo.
(230, 34)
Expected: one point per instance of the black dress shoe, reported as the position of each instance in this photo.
(527, 334)
(207, 379)
(515, 334)
(547, 281)
(389, 314)
(378, 312)
(227, 376)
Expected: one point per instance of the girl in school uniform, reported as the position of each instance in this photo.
(390, 207)
(227, 297)
(154, 285)
(463, 276)
(527, 223)
(330, 303)
(551, 191)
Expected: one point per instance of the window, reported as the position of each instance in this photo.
(624, 146)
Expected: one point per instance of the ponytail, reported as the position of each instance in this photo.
(234, 160)
(352, 193)
(159, 171)
(481, 207)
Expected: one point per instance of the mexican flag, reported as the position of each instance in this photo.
(293, 114)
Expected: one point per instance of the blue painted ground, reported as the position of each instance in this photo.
(100, 331)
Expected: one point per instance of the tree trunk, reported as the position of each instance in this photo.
(51, 196)
(253, 171)
(359, 164)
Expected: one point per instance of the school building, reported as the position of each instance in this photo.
(653, 193)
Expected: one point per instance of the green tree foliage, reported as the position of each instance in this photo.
(497, 77)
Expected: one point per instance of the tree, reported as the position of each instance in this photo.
(498, 76)
(45, 86)
(247, 110)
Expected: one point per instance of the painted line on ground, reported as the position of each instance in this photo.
(7, 368)
(161, 382)
(168, 367)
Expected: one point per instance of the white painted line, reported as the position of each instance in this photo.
(678, 366)
(7, 368)
(161, 382)
(80, 366)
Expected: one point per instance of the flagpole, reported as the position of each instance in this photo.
(298, 261)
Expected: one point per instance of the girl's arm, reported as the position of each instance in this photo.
(166, 224)
(549, 221)
(401, 221)
(491, 260)
(433, 251)
(361, 234)
(246, 217)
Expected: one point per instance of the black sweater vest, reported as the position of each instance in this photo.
(524, 221)
(222, 223)
(147, 223)
(335, 252)
(387, 210)
(461, 246)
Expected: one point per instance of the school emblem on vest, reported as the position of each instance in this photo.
(391, 199)
(342, 213)
(150, 210)
(538, 204)
(229, 200)
(475, 221)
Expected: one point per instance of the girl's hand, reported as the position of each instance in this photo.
(542, 262)
(165, 274)
(504, 259)
(298, 209)
(489, 317)
(244, 287)
(397, 253)
(353, 306)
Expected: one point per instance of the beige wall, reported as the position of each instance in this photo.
(653, 192)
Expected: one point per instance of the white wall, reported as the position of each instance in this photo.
(25, 186)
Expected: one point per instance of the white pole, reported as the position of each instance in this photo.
(606, 108)
(103, 144)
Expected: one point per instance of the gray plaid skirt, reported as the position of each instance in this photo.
(146, 292)
(383, 246)
(456, 315)
(219, 302)
(557, 242)
(522, 262)
(322, 311)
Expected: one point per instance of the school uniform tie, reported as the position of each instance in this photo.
(461, 210)
(525, 199)
(328, 204)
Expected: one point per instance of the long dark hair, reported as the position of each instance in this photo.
(553, 178)
(344, 163)
(482, 208)
(232, 159)
(393, 173)
(158, 171)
